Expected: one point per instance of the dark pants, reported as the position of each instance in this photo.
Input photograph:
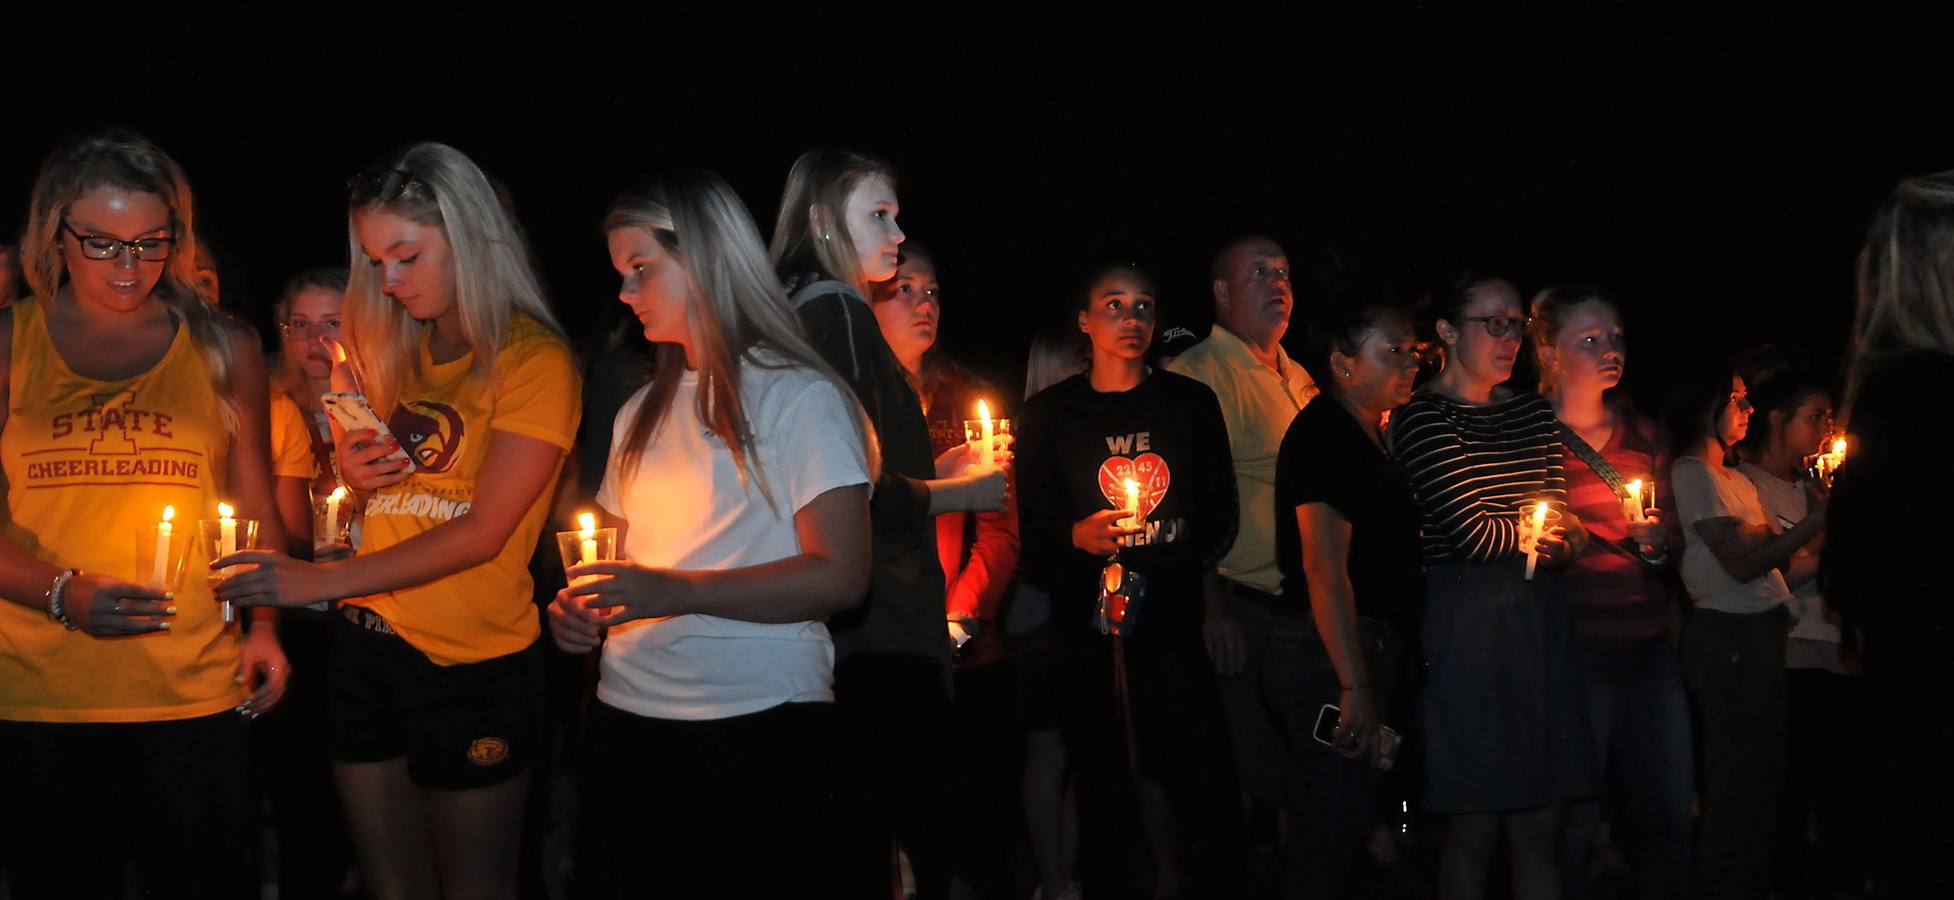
(1920, 807)
(1734, 665)
(1181, 739)
(174, 797)
(1832, 771)
(1640, 715)
(887, 778)
(720, 808)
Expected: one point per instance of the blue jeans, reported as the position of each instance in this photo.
(1640, 715)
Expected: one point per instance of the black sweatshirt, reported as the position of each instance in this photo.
(1076, 448)
(904, 609)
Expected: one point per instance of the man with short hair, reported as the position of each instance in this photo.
(1261, 389)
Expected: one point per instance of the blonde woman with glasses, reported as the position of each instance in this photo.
(125, 393)
(436, 680)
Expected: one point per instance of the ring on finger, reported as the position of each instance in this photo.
(117, 608)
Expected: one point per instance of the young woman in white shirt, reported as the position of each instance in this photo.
(739, 483)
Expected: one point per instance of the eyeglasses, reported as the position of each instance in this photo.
(302, 329)
(1497, 326)
(383, 187)
(96, 246)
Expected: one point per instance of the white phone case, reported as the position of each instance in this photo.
(354, 413)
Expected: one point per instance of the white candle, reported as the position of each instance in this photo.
(986, 454)
(587, 534)
(161, 577)
(1132, 519)
(226, 545)
(1632, 504)
(1531, 536)
(332, 512)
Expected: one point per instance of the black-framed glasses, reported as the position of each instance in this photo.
(99, 246)
(1498, 326)
(307, 329)
(383, 187)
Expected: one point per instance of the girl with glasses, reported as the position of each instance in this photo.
(739, 484)
(436, 679)
(1505, 728)
(126, 392)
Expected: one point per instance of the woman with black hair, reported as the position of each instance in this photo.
(1733, 644)
(1128, 495)
(1347, 546)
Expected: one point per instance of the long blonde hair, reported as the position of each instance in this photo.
(1906, 278)
(738, 310)
(810, 233)
(436, 185)
(126, 161)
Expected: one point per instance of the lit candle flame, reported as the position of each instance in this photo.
(1838, 447)
(169, 512)
(588, 523)
(1635, 490)
(224, 511)
(338, 493)
(983, 411)
(1540, 515)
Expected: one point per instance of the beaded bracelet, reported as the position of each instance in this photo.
(57, 598)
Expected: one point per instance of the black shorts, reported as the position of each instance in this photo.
(460, 727)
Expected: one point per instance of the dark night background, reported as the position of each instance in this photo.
(1717, 173)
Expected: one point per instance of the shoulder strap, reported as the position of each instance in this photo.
(1593, 458)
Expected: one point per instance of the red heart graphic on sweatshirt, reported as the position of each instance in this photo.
(1148, 469)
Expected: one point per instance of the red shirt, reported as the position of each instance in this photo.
(979, 551)
(1616, 598)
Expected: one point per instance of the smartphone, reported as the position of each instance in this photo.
(1326, 727)
(353, 413)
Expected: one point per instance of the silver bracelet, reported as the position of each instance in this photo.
(57, 598)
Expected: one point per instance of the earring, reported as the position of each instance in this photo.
(1344, 374)
(827, 236)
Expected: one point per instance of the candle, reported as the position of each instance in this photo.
(1132, 519)
(1531, 535)
(986, 455)
(161, 577)
(1632, 504)
(587, 535)
(332, 512)
(226, 545)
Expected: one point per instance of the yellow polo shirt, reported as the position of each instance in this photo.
(1257, 402)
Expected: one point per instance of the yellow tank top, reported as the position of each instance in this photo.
(89, 465)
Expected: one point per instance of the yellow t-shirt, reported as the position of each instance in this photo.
(445, 419)
(291, 440)
(90, 465)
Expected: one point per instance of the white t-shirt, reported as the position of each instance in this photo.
(1703, 491)
(687, 510)
(1785, 501)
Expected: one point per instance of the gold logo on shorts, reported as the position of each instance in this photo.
(488, 751)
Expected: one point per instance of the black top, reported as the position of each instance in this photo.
(1076, 448)
(1326, 458)
(904, 609)
(1472, 467)
(1885, 534)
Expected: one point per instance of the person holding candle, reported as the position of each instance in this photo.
(1889, 517)
(310, 309)
(1618, 596)
(978, 552)
(1349, 552)
(834, 236)
(742, 531)
(1506, 736)
(1079, 442)
(127, 393)
(1733, 646)
(1826, 704)
(436, 678)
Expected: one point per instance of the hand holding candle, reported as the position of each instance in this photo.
(222, 537)
(1532, 528)
(982, 436)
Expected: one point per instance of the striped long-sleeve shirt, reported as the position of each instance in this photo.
(1472, 467)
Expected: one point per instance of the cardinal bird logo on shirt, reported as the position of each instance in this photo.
(1147, 468)
(430, 431)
